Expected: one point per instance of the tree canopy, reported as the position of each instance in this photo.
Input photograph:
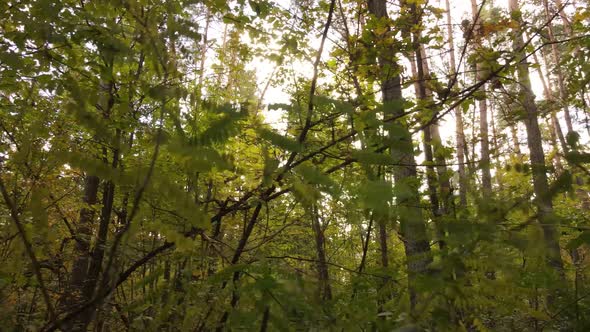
(322, 165)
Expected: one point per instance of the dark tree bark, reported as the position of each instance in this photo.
(325, 291)
(75, 288)
(87, 266)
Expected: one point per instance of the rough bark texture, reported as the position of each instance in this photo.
(87, 266)
(540, 184)
(77, 280)
(413, 227)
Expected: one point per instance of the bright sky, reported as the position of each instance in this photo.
(276, 94)
(461, 9)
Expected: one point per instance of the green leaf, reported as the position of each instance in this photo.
(39, 212)
(582, 239)
(561, 184)
(221, 129)
(281, 141)
(305, 193)
(372, 158)
(314, 176)
(394, 107)
(328, 105)
(376, 195)
(270, 166)
(279, 106)
(577, 157)
(91, 166)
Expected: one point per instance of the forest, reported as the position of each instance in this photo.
(295, 165)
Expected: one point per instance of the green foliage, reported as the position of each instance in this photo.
(141, 178)
(284, 142)
(314, 176)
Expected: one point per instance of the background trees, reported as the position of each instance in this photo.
(212, 165)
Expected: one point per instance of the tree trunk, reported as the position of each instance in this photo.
(444, 182)
(496, 154)
(87, 266)
(438, 182)
(422, 95)
(74, 292)
(543, 200)
(515, 140)
(325, 292)
(459, 131)
(556, 133)
(558, 72)
(486, 177)
(413, 227)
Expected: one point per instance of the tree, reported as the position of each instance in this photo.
(153, 178)
(543, 200)
(486, 177)
(413, 227)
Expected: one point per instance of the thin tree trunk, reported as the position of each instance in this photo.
(459, 127)
(265, 318)
(366, 138)
(383, 243)
(432, 146)
(446, 204)
(496, 147)
(556, 132)
(108, 195)
(421, 93)
(559, 73)
(567, 24)
(366, 241)
(543, 200)
(516, 140)
(249, 227)
(486, 177)
(325, 292)
(204, 55)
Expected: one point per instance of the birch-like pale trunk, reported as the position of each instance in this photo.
(459, 126)
(486, 176)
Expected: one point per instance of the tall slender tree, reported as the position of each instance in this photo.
(411, 219)
(459, 126)
(543, 199)
(482, 103)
